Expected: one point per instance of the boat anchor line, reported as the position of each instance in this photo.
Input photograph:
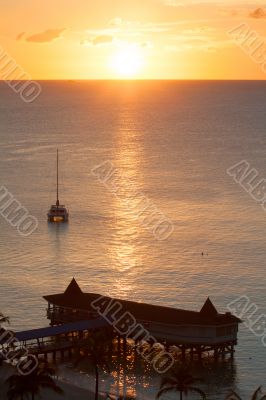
(127, 326)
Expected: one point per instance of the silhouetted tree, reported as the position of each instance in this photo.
(234, 396)
(3, 318)
(180, 380)
(21, 386)
(120, 397)
(95, 351)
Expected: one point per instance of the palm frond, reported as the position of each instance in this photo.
(197, 390)
(256, 393)
(197, 380)
(233, 396)
(180, 380)
(167, 380)
(4, 319)
(52, 386)
(14, 394)
(40, 378)
(165, 390)
(112, 396)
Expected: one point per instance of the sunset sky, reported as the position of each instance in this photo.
(151, 39)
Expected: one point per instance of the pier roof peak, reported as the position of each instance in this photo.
(208, 308)
(73, 288)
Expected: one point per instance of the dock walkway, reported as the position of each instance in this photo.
(61, 338)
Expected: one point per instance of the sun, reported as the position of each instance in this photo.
(128, 61)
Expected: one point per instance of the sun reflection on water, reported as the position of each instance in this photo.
(126, 229)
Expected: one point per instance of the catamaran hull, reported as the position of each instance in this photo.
(57, 219)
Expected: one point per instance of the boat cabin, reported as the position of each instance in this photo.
(58, 214)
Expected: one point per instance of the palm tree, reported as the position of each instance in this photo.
(95, 349)
(180, 380)
(3, 319)
(234, 396)
(25, 385)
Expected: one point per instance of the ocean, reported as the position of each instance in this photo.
(169, 141)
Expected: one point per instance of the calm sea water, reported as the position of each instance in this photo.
(173, 142)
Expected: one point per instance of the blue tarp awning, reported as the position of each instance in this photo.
(61, 329)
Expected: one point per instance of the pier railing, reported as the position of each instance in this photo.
(63, 315)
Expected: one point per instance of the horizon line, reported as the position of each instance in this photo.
(70, 80)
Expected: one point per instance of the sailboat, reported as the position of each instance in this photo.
(57, 212)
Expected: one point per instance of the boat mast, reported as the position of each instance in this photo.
(57, 191)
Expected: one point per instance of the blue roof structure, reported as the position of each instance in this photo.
(61, 329)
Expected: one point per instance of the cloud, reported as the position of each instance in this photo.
(99, 40)
(102, 39)
(183, 44)
(44, 37)
(198, 30)
(229, 12)
(144, 34)
(20, 35)
(118, 22)
(258, 13)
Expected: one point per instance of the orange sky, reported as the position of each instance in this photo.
(151, 39)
